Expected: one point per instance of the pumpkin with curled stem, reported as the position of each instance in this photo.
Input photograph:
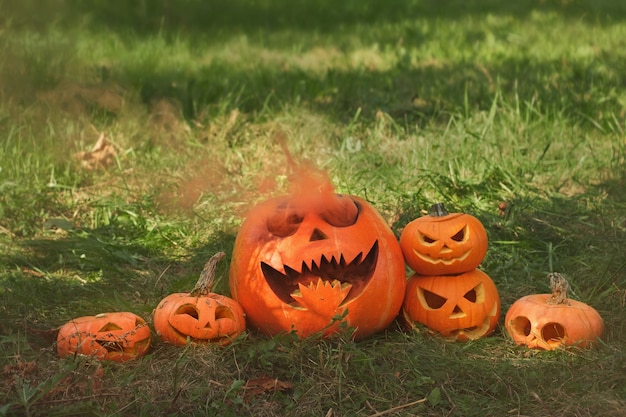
(550, 321)
(117, 336)
(458, 307)
(200, 316)
(309, 264)
(443, 243)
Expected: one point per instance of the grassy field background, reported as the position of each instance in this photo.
(404, 103)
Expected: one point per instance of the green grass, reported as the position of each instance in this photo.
(472, 103)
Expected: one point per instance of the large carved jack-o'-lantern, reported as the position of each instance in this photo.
(118, 336)
(458, 307)
(550, 321)
(299, 265)
(443, 243)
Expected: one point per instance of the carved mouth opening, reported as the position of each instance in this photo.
(450, 261)
(356, 272)
(476, 332)
(122, 344)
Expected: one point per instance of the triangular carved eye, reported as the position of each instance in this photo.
(432, 300)
(340, 211)
(108, 327)
(460, 235)
(476, 294)
(285, 220)
(426, 239)
(470, 295)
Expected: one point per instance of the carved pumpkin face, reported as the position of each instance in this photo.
(444, 244)
(533, 322)
(214, 318)
(458, 307)
(298, 266)
(117, 336)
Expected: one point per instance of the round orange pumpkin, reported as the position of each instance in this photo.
(119, 336)
(549, 321)
(306, 266)
(443, 243)
(200, 316)
(458, 307)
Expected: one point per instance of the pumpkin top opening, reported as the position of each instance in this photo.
(559, 287)
(438, 210)
(207, 276)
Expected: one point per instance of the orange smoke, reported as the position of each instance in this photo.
(310, 188)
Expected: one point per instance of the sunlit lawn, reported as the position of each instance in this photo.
(514, 113)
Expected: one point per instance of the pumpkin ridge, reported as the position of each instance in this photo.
(357, 273)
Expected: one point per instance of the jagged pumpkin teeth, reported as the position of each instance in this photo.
(338, 258)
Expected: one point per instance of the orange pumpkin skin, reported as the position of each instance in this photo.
(444, 244)
(458, 307)
(211, 318)
(119, 337)
(532, 322)
(298, 268)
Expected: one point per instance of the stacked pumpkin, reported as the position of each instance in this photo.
(447, 293)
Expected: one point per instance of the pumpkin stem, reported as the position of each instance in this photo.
(207, 276)
(560, 287)
(438, 210)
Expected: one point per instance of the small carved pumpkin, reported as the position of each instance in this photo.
(549, 321)
(444, 244)
(200, 316)
(301, 264)
(458, 307)
(119, 336)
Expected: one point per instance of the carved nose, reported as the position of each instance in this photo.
(445, 249)
(317, 234)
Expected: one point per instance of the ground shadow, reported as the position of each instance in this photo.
(251, 16)
(412, 90)
(110, 274)
(412, 93)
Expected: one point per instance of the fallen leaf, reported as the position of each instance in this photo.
(86, 379)
(48, 335)
(265, 384)
(101, 155)
(502, 207)
(32, 272)
(20, 367)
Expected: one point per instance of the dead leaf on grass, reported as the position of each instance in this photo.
(48, 335)
(20, 367)
(265, 384)
(86, 379)
(101, 155)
